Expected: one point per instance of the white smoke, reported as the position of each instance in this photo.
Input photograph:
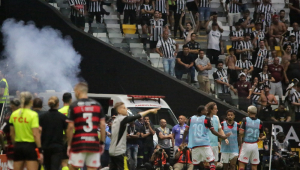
(44, 52)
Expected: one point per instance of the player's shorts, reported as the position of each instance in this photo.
(227, 157)
(10, 164)
(25, 151)
(202, 154)
(249, 152)
(215, 150)
(92, 160)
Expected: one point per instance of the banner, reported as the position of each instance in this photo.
(3, 162)
(291, 130)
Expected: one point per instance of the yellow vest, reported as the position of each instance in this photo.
(64, 110)
(6, 92)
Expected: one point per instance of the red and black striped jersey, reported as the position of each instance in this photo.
(9, 149)
(86, 115)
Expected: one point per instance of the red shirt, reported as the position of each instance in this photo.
(243, 88)
(276, 72)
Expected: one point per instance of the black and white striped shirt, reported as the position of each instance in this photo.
(239, 33)
(247, 64)
(167, 47)
(130, 6)
(156, 29)
(222, 76)
(261, 55)
(255, 97)
(204, 3)
(79, 4)
(185, 33)
(251, 21)
(262, 77)
(260, 37)
(94, 6)
(295, 33)
(147, 7)
(160, 5)
(267, 9)
(246, 45)
(180, 4)
(295, 98)
(233, 8)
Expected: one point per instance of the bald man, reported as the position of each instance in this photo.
(164, 137)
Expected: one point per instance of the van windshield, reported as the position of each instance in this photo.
(163, 113)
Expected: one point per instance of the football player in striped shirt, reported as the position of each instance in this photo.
(85, 117)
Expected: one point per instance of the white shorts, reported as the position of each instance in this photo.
(249, 151)
(215, 150)
(227, 157)
(233, 18)
(10, 164)
(91, 160)
(202, 154)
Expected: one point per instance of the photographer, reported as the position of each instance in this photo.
(282, 152)
(159, 159)
(183, 157)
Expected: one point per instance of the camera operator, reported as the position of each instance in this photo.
(159, 159)
(282, 152)
(183, 157)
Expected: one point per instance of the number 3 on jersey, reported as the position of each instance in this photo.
(89, 126)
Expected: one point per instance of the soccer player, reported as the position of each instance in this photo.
(214, 142)
(85, 116)
(252, 129)
(67, 99)
(230, 146)
(117, 147)
(198, 127)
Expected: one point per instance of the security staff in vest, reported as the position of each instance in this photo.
(26, 135)
(4, 92)
(183, 158)
(67, 99)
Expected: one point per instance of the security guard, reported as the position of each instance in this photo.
(4, 91)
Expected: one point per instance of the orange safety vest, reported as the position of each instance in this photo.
(188, 157)
(163, 160)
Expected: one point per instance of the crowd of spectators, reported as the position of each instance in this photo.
(254, 70)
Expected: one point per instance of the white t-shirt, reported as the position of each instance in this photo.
(214, 40)
(210, 23)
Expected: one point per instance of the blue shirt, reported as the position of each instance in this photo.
(178, 132)
(198, 131)
(107, 139)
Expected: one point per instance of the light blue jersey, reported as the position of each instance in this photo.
(213, 138)
(232, 147)
(251, 130)
(198, 133)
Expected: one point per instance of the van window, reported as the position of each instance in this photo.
(163, 113)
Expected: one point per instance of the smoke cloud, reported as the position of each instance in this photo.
(43, 55)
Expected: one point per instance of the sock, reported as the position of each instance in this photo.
(65, 168)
